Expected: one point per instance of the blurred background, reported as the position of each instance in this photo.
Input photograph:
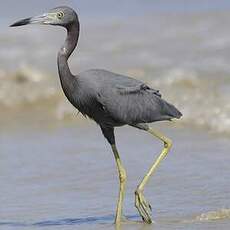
(180, 47)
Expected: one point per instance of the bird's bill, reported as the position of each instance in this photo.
(41, 19)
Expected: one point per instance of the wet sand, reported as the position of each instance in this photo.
(64, 177)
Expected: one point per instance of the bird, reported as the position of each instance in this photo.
(112, 100)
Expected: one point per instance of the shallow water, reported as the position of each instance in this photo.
(59, 173)
(64, 177)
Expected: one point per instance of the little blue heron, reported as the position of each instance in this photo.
(111, 100)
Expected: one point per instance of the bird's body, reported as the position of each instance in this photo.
(110, 99)
(115, 100)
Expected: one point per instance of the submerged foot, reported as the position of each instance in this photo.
(143, 207)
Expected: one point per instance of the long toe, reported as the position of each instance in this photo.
(143, 207)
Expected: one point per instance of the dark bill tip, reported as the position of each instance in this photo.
(21, 22)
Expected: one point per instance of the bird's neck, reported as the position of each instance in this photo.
(71, 39)
(65, 74)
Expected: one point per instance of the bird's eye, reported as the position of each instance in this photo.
(60, 15)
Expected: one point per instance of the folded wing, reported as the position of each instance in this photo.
(136, 104)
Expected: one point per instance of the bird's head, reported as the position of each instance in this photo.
(59, 16)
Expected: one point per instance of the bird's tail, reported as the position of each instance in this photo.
(172, 111)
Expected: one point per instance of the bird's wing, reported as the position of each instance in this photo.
(124, 99)
(134, 104)
(139, 88)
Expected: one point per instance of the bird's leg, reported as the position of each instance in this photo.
(108, 133)
(122, 178)
(141, 204)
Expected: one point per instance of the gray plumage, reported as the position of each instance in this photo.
(108, 98)
(120, 100)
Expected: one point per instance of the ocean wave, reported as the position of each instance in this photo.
(25, 86)
(204, 101)
(214, 215)
(28, 88)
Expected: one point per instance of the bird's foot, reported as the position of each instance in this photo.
(143, 207)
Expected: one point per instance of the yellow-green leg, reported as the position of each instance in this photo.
(122, 179)
(141, 204)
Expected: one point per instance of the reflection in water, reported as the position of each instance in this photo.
(130, 222)
(100, 220)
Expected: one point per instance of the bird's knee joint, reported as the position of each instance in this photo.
(122, 176)
(167, 143)
(138, 191)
